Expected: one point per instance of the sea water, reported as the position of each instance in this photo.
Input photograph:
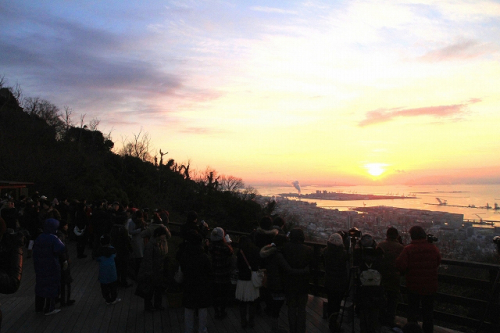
(469, 200)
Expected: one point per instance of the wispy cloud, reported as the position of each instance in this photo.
(273, 10)
(386, 115)
(465, 49)
(201, 130)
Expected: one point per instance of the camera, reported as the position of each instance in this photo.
(496, 240)
(431, 238)
(354, 232)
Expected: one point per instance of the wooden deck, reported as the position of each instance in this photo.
(90, 313)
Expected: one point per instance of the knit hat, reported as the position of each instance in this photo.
(217, 234)
(336, 239)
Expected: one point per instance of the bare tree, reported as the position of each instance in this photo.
(94, 123)
(67, 117)
(82, 121)
(17, 92)
(139, 147)
(249, 193)
(46, 111)
(161, 157)
(231, 183)
(210, 178)
(184, 168)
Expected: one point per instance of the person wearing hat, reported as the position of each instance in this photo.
(46, 251)
(369, 292)
(419, 262)
(391, 279)
(336, 260)
(220, 252)
(108, 277)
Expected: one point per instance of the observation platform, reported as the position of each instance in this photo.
(91, 314)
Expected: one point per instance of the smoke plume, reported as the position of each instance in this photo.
(296, 185)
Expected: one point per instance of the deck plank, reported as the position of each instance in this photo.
(91, 314)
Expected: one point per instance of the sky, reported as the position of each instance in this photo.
(318, 92)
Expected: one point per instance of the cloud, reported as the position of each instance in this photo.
(273, 10)
(386, 115)
(465, 49)
(201, 131)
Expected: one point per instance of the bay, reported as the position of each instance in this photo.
(470, 200)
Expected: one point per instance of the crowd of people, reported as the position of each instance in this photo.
(132, 244)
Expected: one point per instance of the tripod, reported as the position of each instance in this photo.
(353, 276)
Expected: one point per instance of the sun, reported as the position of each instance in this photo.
(375, 169)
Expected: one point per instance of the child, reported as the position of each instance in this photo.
(107, 271)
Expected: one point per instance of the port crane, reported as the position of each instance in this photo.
(442, 202)
(480, 219)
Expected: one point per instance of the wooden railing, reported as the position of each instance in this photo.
(462, 301)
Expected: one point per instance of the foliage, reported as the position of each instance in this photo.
(40, 144)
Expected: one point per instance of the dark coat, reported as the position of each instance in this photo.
(419, 262)
(297, 255)
(197, 282)
(278, 268)
(221, 254)
(261, 237)
(252, 254)
(153, 265)
(121, 241)
(11, 262)
(336, 267)
(46, 252)
(391, 279)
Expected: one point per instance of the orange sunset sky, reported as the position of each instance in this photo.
(345, 92)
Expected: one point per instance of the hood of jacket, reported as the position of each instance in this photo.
(272, 232)
(50, 226)
(268, 251)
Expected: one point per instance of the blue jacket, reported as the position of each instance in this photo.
(46, 251)
(107, 267)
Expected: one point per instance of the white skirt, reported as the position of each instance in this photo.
(246, 292)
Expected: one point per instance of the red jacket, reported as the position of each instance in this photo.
(419, 262)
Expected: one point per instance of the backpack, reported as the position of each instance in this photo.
(370, 277)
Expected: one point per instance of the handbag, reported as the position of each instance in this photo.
(257, 276)
(179, 276)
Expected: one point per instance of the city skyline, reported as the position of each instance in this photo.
(355, 92)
